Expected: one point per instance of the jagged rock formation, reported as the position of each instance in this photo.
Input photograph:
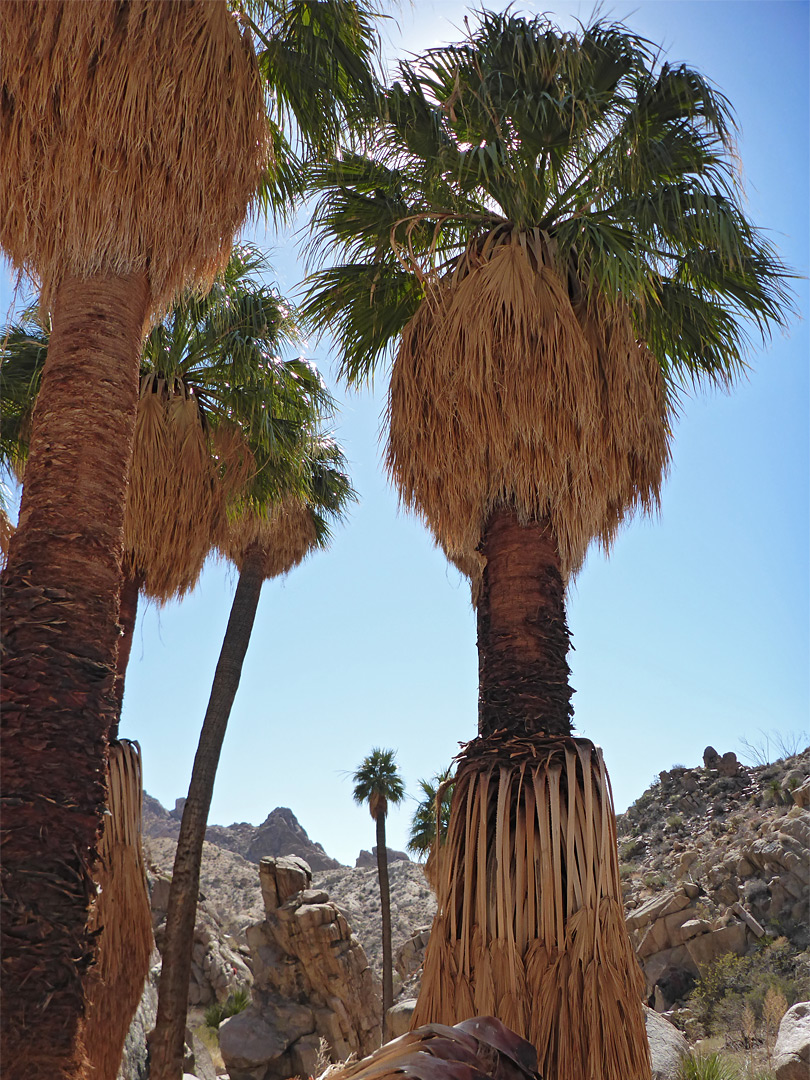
(369, 858)
(311, 981)
(279, 834)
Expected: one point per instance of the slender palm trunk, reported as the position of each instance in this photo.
(523, 637)
(385, 907)
(61, 591)
(166, 1041)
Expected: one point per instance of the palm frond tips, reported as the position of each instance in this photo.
(530, 924)
(98, 173)
(504, 393)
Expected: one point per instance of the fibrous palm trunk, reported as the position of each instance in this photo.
(530, 925)
(385, 908)
(166, 1041)
(61, 590)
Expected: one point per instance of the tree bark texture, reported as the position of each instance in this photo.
(127, 617)
(385, 908)
(523, 637)
(60, 597)
(166, 1041)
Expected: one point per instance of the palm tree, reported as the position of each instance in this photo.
(113, 201)
(549, 228)
(262, 542)
(378, 783)
(430, 821)
(123, 180)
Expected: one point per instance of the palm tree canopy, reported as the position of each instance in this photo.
(377, 782)
(84, 109)
(422, 833)
(551, 226)
(221, 418)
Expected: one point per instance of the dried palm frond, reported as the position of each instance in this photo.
(284, 536)
(122, 915)
(477, 1048)
(177, 495)
(530, 924)
(503, 393)
(132, 138)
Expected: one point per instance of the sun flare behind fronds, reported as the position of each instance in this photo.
(505, 393)
(530, 925)
(83, 111)
(123, 911)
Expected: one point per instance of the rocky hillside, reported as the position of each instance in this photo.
(713, 858)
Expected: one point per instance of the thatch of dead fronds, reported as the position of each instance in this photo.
(530, 925)
(181, 479)
(123, 916)
(282, 536)
(504, 392)
(132, 137)
(472, 1050)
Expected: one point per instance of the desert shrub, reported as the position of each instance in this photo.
(675, 821)
(707, 1067)
(236, 1002)
(631, 849)
(654, 881)
(626, 870)
(733, 984)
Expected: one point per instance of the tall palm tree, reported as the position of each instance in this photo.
(113, 200)
(123, 178)
(377, 782)
(263, 541)
(549, 228)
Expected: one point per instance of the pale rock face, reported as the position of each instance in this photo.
(791, 1054)
(667, 1046)
(311, 981)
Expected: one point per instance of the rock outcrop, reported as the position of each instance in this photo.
(311, 981)
(791, 1055)
(667, 1046)
(369, 858)
(279, 834)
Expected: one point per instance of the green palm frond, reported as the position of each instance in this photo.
(377, 781)
(422, 833)
(624, 162)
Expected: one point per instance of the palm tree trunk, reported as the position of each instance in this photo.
(385, 907)
(166, 1041)
(523, 637)
(61, 592)
(127, 617)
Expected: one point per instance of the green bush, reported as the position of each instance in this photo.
(732, 984)
(630, 850)
(235, 1003)
(675, 821)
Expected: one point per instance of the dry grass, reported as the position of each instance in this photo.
(503, 393)
(530, 925)
(132, 138)
(123, 915)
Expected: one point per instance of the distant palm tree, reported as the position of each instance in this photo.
(428, 830)
(264, 540)
(377, 782)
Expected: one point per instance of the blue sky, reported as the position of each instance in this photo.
(695, 631)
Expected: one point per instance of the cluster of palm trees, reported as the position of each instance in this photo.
(542, 232)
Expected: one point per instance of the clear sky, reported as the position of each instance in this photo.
(695, 631)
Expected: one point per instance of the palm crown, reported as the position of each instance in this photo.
(377, 782)
(551, 225)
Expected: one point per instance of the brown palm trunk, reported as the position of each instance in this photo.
(166, 1041)
(523, 637)
(61, 591)
(385, 908)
